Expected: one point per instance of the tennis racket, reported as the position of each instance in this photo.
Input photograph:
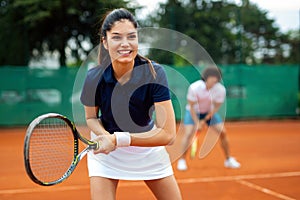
(194, 146)
(51, 149)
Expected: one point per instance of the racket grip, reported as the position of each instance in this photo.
(194, 148)
(97, 145)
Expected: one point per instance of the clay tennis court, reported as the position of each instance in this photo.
(269, 152)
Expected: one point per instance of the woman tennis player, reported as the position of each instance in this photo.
(120, 97)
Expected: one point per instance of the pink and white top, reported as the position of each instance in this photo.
(197, 92)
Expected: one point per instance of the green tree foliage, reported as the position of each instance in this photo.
(29, 28)
(293, 53)
(230, 33)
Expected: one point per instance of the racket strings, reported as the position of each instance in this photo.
(51, 149)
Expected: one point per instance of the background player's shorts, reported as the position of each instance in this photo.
(216, 118)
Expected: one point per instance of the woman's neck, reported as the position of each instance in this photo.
(208, 87)
(122, 71)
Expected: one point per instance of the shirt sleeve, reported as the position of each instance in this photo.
(160, 88)
(191, 95)
(219, 94)
(89, 90)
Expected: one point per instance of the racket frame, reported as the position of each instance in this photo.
(76, 158)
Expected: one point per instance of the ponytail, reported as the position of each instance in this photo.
(152, 70)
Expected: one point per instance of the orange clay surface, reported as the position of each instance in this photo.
(269, 152)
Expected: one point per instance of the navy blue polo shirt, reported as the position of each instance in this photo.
(128, 107)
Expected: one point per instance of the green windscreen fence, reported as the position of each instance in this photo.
(252, 92)
(26, 93)
(261, 91)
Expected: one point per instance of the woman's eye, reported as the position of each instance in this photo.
(131, 36)
(116, 37)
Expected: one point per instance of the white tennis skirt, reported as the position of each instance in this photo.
(131, 163)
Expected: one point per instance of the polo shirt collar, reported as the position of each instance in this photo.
(108, 75)
(137, 75)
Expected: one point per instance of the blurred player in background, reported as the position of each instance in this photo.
(205, 97)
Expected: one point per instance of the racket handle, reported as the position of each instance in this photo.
(194, 148)
(97, 145)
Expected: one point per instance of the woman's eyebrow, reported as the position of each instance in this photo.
(117, 33)
(132, 33)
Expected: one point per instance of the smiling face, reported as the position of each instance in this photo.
(122, 42)
(211, 81)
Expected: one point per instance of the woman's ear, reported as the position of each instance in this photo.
(104, 42)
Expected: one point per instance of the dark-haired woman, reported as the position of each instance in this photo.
(205, 98)
(120, 97)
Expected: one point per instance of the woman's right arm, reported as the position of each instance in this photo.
(92, 120)
(193, 112)
(198, 123)
(107, 143)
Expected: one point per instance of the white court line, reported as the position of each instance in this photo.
(238, 177)
(180, 181)
(264, 190)
(44, 189)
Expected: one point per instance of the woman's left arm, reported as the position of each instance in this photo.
(215, 109)
(165, 131)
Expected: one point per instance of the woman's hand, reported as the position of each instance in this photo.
(200, 124)
(107, 143)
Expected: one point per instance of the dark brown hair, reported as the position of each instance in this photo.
(211, 71)
(108, 22)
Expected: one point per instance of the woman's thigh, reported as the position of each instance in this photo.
(165, 188)
(103, 188)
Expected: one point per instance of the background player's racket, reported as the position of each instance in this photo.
(51, 149)
(194, 146)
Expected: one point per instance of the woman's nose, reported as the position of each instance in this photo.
(124, 42)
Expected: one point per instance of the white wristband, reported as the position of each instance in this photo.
(123, 139)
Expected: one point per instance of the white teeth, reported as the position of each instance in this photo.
(124, 52)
